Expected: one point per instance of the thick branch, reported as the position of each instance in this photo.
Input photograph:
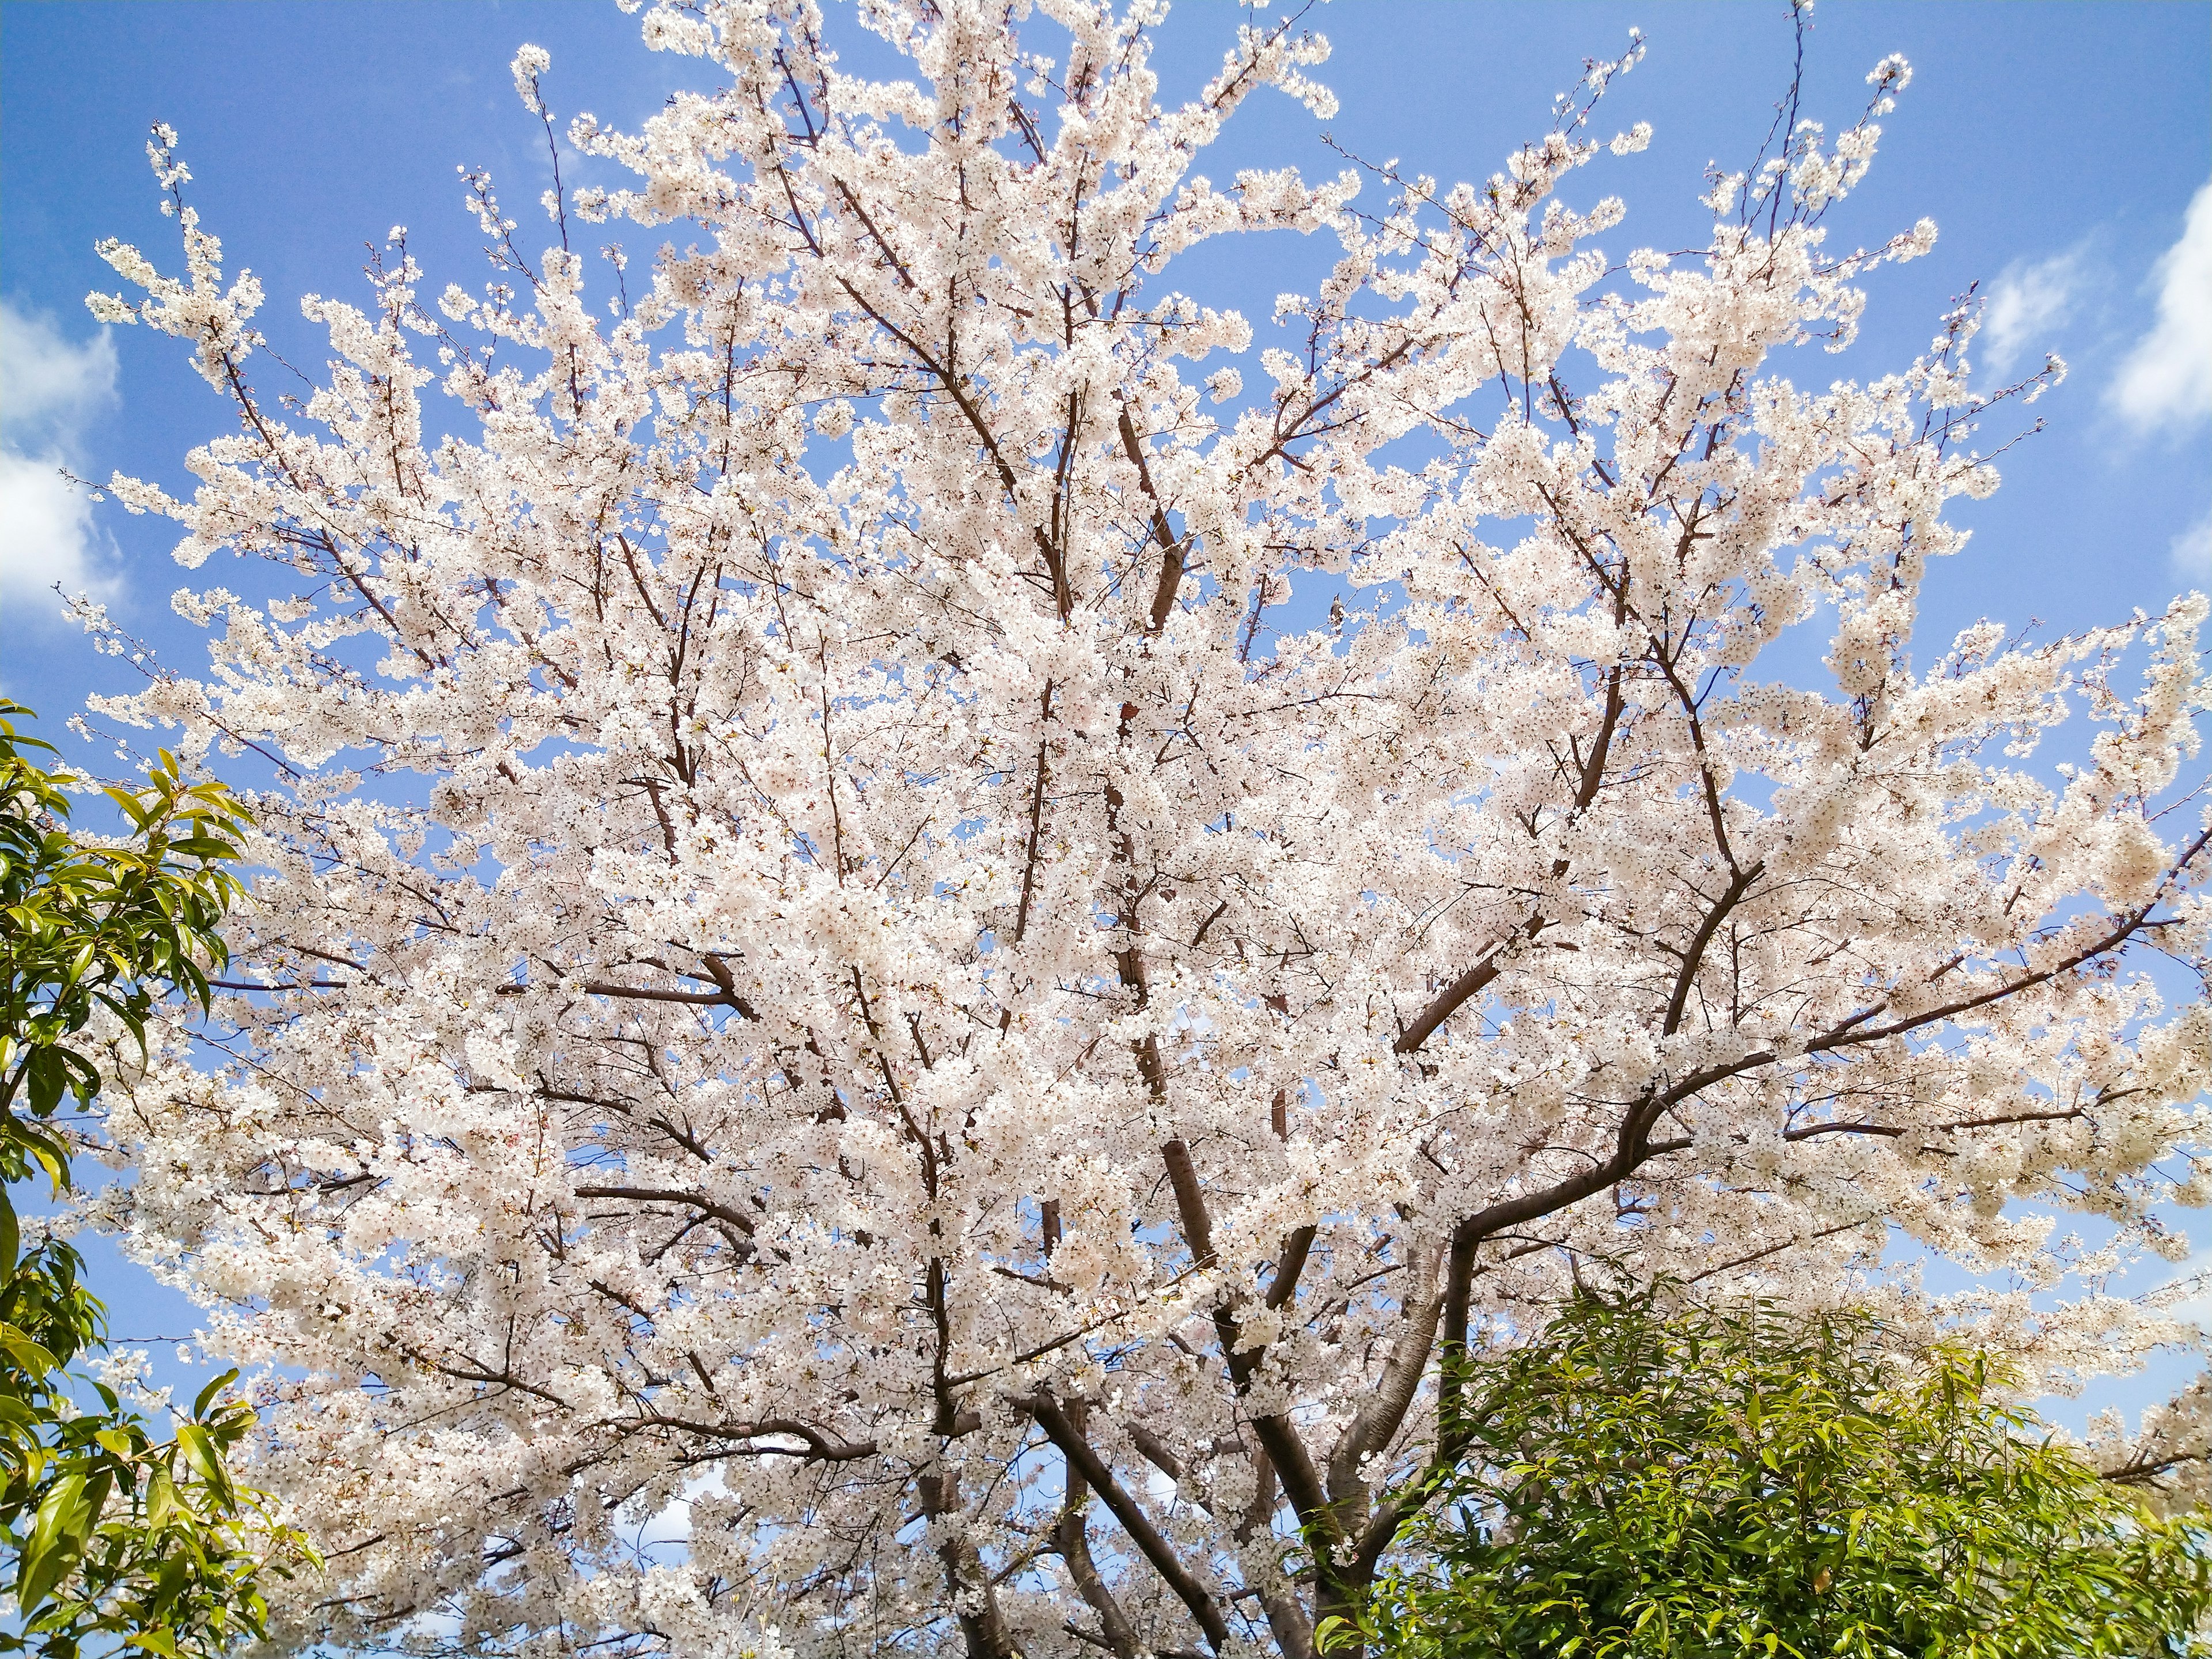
(1171, 545)
(1386, 1406)
(1447, 1002)
(1694, 956)
(820, 1447)
(673, 1195)
(1285, 1448)
(1071, 1537)
(1037, 826)
(1289, 1265)
(1190, 1202)
(1052, 1420)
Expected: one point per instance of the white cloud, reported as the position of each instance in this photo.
(2028, 304)
(49, 391)
(48, 388)
(2192, 554)
(2167, 377)
(46, 533)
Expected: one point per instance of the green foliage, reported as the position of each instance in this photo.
(89, 927)
(110, 1533)
(1649, 1481)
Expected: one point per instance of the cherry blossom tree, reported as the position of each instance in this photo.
(846, 960)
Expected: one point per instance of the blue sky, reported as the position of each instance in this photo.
(2059, 147)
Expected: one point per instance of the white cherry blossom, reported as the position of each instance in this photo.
(846, 956)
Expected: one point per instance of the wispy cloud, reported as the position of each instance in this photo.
(50, 390)
(2167, 377)
(2028, 306)
(2192, 553)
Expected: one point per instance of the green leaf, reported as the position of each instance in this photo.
(176, 1572)
(160, 1498)
(47, 1553)
(33, 1357)
(46, 1077)
(200, 1403)
(206, 1460)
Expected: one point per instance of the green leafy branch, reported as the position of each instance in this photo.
(1650, 1479)
(110, 1532)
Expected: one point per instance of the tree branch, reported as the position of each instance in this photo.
(1156, 1549)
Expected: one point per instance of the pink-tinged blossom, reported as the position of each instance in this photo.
(834, 976)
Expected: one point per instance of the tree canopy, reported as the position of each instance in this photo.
(1649, 1477)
